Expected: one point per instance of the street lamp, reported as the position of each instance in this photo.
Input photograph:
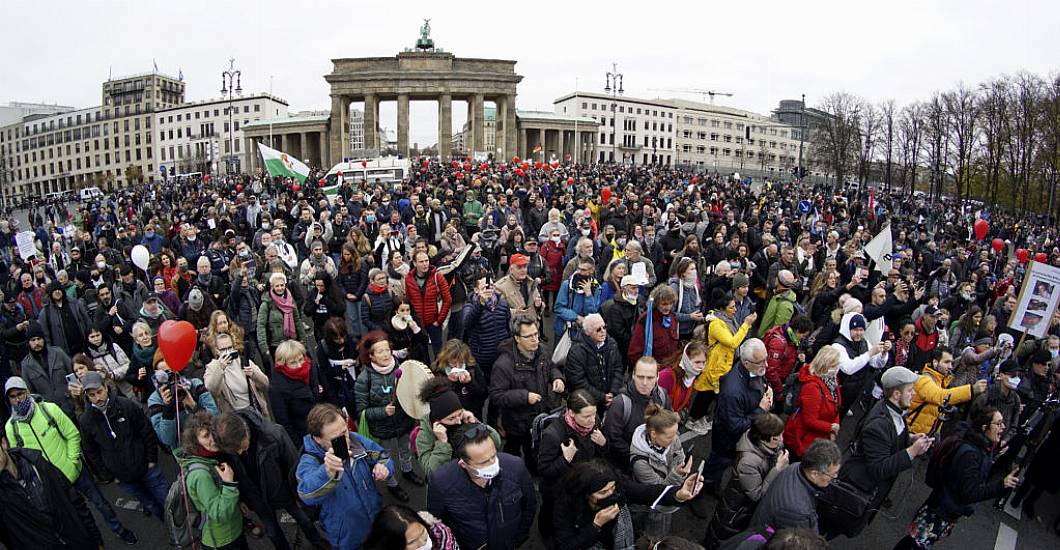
(614, 87)
(231, 85)
(802, 132)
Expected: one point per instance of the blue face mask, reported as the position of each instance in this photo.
(369, 218)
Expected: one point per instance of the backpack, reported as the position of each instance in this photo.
(19, 442)
(792, 388)
(623, 403)
(184, 524)
(934, 477)
(541, 423)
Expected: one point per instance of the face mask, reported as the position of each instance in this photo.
(631, 298)
(585, 232)
(1054, 353)
(690, 275)
(1013, 382)
(369, 219)
(427, 545)
(489, 472)
(266, 225)
(455, 370)
(621, 243)
(555, 240)
(150, 234)
(191, 238)
(244, 253)
(966, 296)
(101, 265)
(23, 409)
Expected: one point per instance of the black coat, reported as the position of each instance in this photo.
(550, 462)
(66, 523)
(598, 371)
(291, 401)
(126, 453)
(879, 455)
(269, 461)
(965, 478)
(513, 378)
(738, 399)
(620, 317)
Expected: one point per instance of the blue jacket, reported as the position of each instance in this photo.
(498, 517)
(349, 504)
(485, 329)
(737, 404)
(569, 305)
(164, 419)
(153, 243)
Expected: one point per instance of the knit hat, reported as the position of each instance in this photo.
(984, 340)
(34, 330)
(443, 404)
(1008, 366)
(857, 321)
(1042, 356)
(740, 280)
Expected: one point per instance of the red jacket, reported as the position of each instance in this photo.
(781, 355)
(664, 346)
(425, 302)
(818, 410)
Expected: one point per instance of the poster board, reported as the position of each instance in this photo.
(26, 247)
(1037, 300)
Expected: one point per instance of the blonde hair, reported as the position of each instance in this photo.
(826, 360)
(288, 351)
(234, 331)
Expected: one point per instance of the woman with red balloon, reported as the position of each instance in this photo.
(175, 396)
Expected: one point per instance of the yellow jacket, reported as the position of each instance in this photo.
(722, 344)
(931, 390)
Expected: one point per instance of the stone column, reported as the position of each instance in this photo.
(510, 122)
(561, 147)
(371, 121)
(541, 140)
(478, 141)
(325, 158)
(340, 126)
(403, 124)
(284, 144)
(523, 144)
(501, 128)
(445, 126)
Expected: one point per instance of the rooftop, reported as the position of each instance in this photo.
(289, 120)
(549, 115)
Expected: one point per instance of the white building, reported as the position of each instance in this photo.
(18, 110)
(636, 131)
(194, 137)
(356, 129)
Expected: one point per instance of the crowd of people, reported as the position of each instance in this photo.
(583, 329)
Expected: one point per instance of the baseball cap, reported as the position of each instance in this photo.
(931, 310)
(519, 259)
(92, 380)
(897, 376)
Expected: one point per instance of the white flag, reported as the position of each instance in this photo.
(880, 249)
(279, 163)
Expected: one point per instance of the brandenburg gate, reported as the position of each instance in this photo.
(424, 73)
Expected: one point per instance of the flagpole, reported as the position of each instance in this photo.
(270, 118)
(576, 116)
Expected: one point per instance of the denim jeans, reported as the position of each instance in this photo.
(435, 334)
(87, 487)
(151, 490)
(274, 531)
(353, 318)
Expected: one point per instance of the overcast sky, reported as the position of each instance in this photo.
(760, 51)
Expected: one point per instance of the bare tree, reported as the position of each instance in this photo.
(911, 127)
(993, 104)
(868, 130)
(962, 115)
(888, 129)
(836, 137)
(935, 144)
(1025, 96)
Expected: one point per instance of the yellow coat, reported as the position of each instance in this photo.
(722, 343)
(931, 390)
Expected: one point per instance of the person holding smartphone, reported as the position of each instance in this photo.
(235, 381)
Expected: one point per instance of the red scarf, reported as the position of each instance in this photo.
(206, 453)
(377, 289)
(568, 417)
(301, 372)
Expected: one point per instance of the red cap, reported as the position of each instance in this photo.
(519, 259)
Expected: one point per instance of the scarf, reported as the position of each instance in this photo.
(149, 315)
(299, 373)
(285, 304)
(568, 417)
(144, 355)
(206, 453)
(727, 319)
(833, 386)
(384, 370)
(376, 289)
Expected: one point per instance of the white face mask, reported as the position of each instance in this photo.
(427, 545)
(1013, 382)
(489, 472)
(631, 298)
(556, 240)
(101, 265)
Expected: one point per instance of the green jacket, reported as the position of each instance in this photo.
(217, 500)
(270, 325)
(52, 433)
(473, 212)
(780, 310)
(432, 453)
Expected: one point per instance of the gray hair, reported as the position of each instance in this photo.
(277, 276)
(750, 347)
(592, 319)
(634, 245)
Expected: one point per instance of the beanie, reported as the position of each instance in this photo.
(740, 280)
(443, 404)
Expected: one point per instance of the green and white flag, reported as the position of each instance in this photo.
(279, 163)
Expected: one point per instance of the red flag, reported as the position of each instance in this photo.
(872, 203)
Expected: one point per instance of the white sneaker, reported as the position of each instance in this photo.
(700, 427)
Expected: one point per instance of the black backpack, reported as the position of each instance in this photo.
(792, 388)
(541, 422)
(935, 476)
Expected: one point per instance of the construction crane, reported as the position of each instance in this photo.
(701, 92)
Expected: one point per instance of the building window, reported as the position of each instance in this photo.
(257, 107)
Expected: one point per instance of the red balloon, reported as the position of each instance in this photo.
(1022, 255)
(239, 188)
(997, 244)
(176, 341)
(525, 166)
(605, 194)
(515, 160)
(537, 165)
(519, 172)
(467, 166)
(456, 165)
(570, 181)
(1041, 257)
(981, 227)
(424, 162)
(423, 170)
(483, 167)
(459, 175)
(296, 188)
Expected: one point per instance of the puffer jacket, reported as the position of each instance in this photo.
(620, 316)
(598, 371)
(270, 325)
(513, 378)
(374, 392)
(164, 418)
(723, 343)
(781, 355)
(51, 432)
(353, 281)
(931, 389)
(432, 302)
(790, 502)
(780, 310)
(817, 410)
(486, 327)
(570, 304)
(348, 504)
(378, 308)
(752, 475)
(120, 438)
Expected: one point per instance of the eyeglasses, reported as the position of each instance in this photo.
(531, 336)
(601, 328)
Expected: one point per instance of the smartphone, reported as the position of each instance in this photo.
(340, 447)
(71, 378)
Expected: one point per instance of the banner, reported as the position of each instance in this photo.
(1037, 300)
(880, 249)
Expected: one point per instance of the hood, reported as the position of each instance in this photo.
(310, 447)
(844, 325)
(639, 445)
(744, 445)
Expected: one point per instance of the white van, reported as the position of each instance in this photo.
(91, 193)
(387, 170)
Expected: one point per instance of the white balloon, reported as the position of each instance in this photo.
(140, 256)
